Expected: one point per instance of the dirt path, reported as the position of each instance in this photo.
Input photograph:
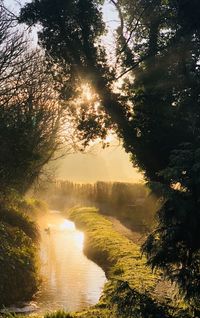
(136, 237)
(164, 289)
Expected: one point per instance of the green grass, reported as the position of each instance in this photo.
(120, 257)
(129, 292)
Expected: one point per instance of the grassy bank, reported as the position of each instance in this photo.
(19, 279)
(130, 291)
(117, 255)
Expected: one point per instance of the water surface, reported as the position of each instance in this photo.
(70, 280)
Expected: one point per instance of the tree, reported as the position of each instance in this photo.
(30, 115)
(167, 89)
(155, 113)
(174, 244)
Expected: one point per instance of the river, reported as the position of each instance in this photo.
(70, 281)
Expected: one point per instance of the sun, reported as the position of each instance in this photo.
(87, 93)
(110, 138)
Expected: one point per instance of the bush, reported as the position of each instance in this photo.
(18, 279)
(18, 235)
(32, 206)
(15, 218)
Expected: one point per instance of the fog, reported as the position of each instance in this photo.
(110, 164)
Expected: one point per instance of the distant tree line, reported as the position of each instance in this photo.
(132, 203)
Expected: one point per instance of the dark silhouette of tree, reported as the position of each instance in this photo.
(156, 112)
(174, 243)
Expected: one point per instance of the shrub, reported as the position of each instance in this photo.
(15, 218)
(18, 268)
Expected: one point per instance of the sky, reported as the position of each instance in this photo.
(14, 5)
(110, 164)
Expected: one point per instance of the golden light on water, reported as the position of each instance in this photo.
(70, 281)
(79, 239)
(67, 225)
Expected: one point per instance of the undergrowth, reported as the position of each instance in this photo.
(19, 279)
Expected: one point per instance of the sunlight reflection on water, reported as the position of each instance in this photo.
(67, 225)
(70, 280)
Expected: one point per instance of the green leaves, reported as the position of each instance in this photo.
(18, 280)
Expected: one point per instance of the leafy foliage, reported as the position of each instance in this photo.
(179, 224)
(18, 279)
(17, 219)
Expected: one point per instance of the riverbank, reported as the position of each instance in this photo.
(131, 287)
(19, 236)
(131, 290)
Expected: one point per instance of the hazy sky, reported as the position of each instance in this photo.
(111, 164)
